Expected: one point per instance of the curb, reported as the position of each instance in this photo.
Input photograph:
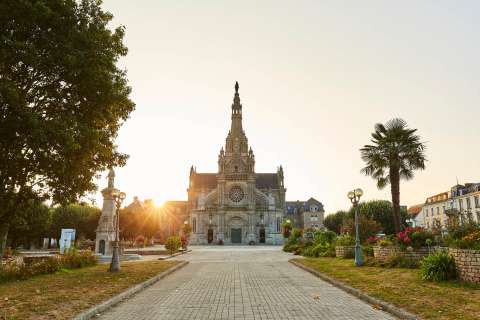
(175, 254)
(380, 304)
(99, 308)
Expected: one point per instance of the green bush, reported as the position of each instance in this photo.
(368, 250)
(324, 237)
(345, 240)
(173, 243)
(439, 266)
(77, 259)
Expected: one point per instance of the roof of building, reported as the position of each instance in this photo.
(415, 209)
(303, 205)
(438, 197)
(204, 180)
(266, 180)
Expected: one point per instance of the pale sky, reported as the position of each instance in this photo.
(315, 76)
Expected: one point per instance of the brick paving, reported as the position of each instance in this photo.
(253, 283)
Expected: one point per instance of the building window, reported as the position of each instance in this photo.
(313, 218)
(313, 208)
(468, 203)
(278, 224)
(432, 212)
(477, 202)
(194, 224)
(438, 211)
(460, 204)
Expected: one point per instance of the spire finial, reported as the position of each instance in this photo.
(236, 86)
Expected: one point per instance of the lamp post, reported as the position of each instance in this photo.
(354, 197)
(118, 197)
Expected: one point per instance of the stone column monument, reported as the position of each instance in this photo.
(105, 234)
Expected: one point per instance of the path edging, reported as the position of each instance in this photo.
(99, 308)
(385, 306)
(175, 254)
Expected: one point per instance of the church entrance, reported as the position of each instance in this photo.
(236, 235)
(210, 236)
(262, 235)
(101, 247)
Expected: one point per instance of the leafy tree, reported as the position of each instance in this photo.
(380, 211)
(334, 221)
(367, 227)
(31, 226)
(396, 152)
(62, 101)
(81, 217)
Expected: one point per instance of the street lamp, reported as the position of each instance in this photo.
(118, 197)
(354, 197)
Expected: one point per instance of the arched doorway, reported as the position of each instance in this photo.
(101, 247)
(210, 236)
(262, 235)
(236, 226)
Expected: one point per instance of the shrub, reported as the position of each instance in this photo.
(398, 261)
(368, 250)
(140, 241)
(385, 243)
(415, 237)
(345, 240)
(324, 237)
(78, 259)
(439, 266)
(172, 244)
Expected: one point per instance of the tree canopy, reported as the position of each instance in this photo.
(62, 100)
(395, 153)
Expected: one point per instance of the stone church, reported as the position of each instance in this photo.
(236, 204)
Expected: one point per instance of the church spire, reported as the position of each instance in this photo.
(236, 111)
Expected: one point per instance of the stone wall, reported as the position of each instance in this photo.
(345, 251)
(467, 263)
(382, 253)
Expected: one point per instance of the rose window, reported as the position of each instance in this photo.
(236, 194)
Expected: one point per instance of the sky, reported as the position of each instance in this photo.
(314, 76)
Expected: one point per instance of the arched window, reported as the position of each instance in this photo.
(278, 224)
(194, 224)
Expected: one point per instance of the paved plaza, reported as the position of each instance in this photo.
(239, 282)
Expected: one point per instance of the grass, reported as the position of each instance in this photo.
(63, 294)
(404, 288)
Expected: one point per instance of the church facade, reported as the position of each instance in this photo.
(236, 205)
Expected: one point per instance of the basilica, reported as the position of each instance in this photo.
(236, 204)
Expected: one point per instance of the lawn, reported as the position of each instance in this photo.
(66, 293)
(404, 288)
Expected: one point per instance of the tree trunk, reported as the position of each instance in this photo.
(395, 189)
(3, 237)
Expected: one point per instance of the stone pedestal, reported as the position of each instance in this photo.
(105, 233)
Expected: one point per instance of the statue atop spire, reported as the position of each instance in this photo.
(236, 86)
(111, 178)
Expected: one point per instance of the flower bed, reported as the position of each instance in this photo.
(344, 251)
(384, 253)
(467, 263)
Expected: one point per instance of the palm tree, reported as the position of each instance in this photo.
(396, 152)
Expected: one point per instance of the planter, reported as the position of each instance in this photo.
(467, 263)
(345, 251)
(383, 253)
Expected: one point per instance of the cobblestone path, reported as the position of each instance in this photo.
(242, 283)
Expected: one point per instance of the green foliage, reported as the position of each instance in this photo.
(466, 236)
(367, 250)
(334, 221)
(395, 153)
(186, 229)
(367, 226)
(395, 260)
(322, 245)
(81, 217)
(380, 211)
(15, 269)
(173, 243)
(77, 259)
(345, 240)
(439, 266)
(62, 101)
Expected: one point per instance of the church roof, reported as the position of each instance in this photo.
(266, 180)
(205, 180)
